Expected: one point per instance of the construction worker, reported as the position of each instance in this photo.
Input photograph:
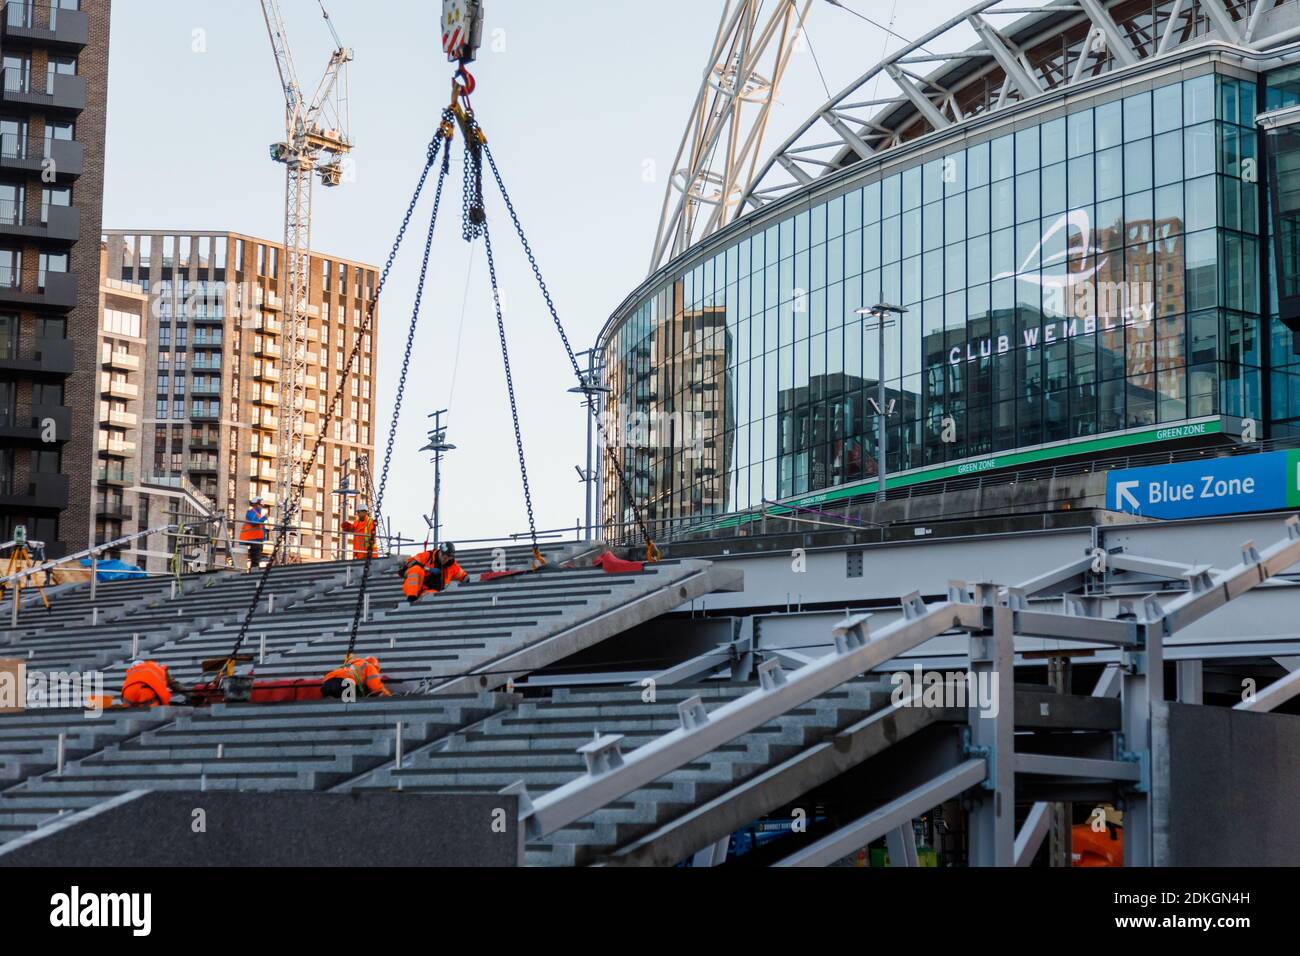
(362, 673)
(431, 571)
(363, 533)
(253, 531)
(147, 683)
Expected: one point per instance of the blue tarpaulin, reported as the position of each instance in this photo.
(110, 570)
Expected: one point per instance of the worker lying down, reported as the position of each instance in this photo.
(359, 677)
(431, 571)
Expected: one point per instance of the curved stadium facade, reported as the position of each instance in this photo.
(1080, 248)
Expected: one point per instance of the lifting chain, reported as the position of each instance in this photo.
(401, 382)
(431, 157)
(475, 224)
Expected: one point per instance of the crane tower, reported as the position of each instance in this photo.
(316, 140)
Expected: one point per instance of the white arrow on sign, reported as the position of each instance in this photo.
(1124, 494)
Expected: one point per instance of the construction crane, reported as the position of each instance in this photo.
(316, 141)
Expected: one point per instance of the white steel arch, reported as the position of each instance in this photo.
(1046, 50)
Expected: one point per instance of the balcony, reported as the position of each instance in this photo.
(46, 492)
(267, 374)
(274, 302)
(64, 159)
(52, 358)
(114, 475)
(209, 412)
(267, 350)
(117, 447)
(62, 93)
(207, 342)
(264, 470)
(265, 420)
(121, 419)
(204, 317)
(267, 324)
(62, 224)
(266, 450)
(110, 510)
(207, 465)
(25, 24)
(267, 397)
(205, 388)
(57, 291)
(120, 361)
(118, 388)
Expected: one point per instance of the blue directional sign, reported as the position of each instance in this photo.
(1216, 486)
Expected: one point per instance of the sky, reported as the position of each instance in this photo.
(584, 105)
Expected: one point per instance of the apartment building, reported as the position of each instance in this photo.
(214, 364)
(53, 88)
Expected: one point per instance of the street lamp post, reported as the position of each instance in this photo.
(590, 389)
(881, 312)
(439, 446)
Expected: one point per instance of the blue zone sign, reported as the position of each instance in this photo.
(1216, 486)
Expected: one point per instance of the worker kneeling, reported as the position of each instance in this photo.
(147, 684)
(358, 676)
(431, 571)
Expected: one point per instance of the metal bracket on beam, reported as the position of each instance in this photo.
(691, 713)
(986, 753)
(1017, 600)
(958, 592)
(851, 633)
(1081, 605)
(1198, 578)
(1250, 553)
(770, 674)
(603, 754)
(914, 605)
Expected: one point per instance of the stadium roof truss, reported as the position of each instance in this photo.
(1047, 50)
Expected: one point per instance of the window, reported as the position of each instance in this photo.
(59, 66)
(52, 328)
(54, 196)
(46, 461)
(8, 336)
(13, 138)
(17, 73)
(11, 268)
(45, 394)
(51, 262)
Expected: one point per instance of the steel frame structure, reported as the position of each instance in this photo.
(993, 617)
(1063, 44)
(720, 147)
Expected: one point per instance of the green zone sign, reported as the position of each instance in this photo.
(976, 466)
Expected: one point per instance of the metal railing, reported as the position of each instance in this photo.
(676, 529)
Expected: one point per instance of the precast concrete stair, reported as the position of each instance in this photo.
(537, 743)
(71, 605)
(324, 611)
(207, 601)
(306, 746)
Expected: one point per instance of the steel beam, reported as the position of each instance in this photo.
(855, 653)
(1191, 682)
(1218, 13)
(853, 837)
(901, 842)
(1050, 765)
(924, 105)
(1032, 833)
(1011, 66)
(1115, 41)
(1274, 695)
(992, 819)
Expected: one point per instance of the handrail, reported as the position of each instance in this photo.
(87, 553)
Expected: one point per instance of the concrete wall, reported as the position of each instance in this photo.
(1227, 784)
(154, 828)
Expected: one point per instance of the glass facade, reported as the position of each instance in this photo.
(1092, 274)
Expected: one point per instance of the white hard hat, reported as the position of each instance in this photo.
(362, 508)
(255, 501)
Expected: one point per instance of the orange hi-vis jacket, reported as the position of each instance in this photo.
(363, 535)
(364, 673)
(254, 526)
(418, 567)
(146, 683)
